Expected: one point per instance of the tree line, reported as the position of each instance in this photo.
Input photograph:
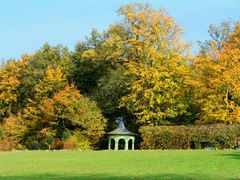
(139, 68)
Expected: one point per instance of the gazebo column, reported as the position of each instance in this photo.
(133, 143)
(109, 143)
(126, 144)
(116, 144)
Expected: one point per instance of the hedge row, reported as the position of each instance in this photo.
(190, 137)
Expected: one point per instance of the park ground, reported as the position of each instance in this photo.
(145, 164)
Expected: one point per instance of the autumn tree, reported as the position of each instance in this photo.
(88, 62)
(234, 38)
(217, 82)
(68, 110)
(55, 56)
(219, 37)
(98, 70)
(144, 46)
(10, 79)
(152, 54)
(14, 128)
(110, 89)
(53, 81)
(57, 110)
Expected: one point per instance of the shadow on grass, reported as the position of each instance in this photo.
(233, 155)
(109, 177)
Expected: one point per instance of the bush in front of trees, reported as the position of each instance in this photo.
(190, 137)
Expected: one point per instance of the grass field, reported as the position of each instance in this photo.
(120, 165)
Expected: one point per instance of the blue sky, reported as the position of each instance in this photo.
(27, 24)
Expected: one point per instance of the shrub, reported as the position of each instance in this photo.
(77, 141)
(57, 145)
(49, 141)
(13, 130)
(5, 145)
(33, 145)
(186, 137)
(164, 137)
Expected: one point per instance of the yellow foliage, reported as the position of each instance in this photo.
(156, 63)
(53, 80)
(14, 127)
(218, 79)
(10, 76)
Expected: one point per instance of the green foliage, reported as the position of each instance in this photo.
(89, 119)
(65, 135)
(33, 145)
(49, 140)
(186, 137)
(110, 90)
(35, 71)
(89, 63)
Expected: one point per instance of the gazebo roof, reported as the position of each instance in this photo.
(121, 129)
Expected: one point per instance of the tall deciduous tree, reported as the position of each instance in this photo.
(153, 53)
(58, 109)
(10, 78)
(14, 128)
(88, 62)
(53, 81)
(217, 78)
(38, 64)
(234, 39)
(69, 110)
(219, 36)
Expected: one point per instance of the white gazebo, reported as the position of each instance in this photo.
(121, 137)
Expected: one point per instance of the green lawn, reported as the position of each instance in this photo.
(120, 165)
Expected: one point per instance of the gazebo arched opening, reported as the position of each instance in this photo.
(112, 143)
(121, 144)
(130, 144)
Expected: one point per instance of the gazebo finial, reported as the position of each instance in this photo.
(120, 122)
